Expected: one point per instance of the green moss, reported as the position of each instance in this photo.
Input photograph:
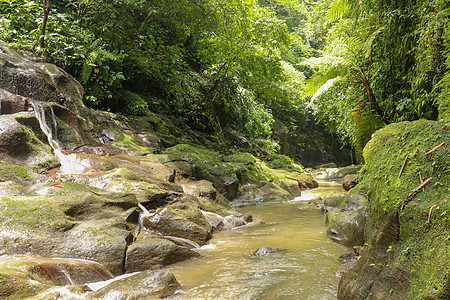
(32, 213)
(277, 161)
(423, 246)
(209, 162)
(131, 144)
(14, 173)
(243, 158)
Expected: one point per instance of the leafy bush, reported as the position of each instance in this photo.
(133, 104)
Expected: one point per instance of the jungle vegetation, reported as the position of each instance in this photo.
(354, 66)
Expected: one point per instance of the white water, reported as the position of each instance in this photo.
(70, 163)
(95, 286)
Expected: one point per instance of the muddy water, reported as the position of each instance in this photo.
(304, 270)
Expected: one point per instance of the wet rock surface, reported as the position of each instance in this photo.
(154, 253)
(144, 285)
(349, 181)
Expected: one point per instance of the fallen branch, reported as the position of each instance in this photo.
(431, 208)
(420, 186)
(421, 181)
(403, 166)
(404, 143)
(435, 148)
(403, 205)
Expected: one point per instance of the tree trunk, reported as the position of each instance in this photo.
(46, 5)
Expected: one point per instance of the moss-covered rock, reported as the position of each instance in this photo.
(408, 249)
(21, 146)
(210, 166)
(89, 226)
(342, 172)
(283, 162)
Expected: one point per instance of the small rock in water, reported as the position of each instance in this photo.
(264, 251)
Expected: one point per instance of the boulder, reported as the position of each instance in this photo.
(341, 172)
(148, 284)
(21, 145)
(180, 219)
(349, 181)
(154, 253)
(292, 186)
(266, 251)
(349, 202)
(39, 81)
(88, 226)
(347, 228)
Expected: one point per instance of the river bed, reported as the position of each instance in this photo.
(304, 270)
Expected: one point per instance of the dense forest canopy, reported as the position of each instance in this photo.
(354, 65)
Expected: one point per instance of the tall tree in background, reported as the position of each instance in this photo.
(46, 8)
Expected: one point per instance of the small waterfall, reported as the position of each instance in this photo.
(51, 133)
(70, 163)
(144, 213)
(67, 276)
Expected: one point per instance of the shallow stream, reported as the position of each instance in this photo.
(304, 270)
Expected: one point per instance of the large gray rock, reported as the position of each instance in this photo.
(149, 284)
(180, 219)
(154, 253)
(38, 81)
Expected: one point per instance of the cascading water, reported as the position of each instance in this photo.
(70, 163)
(51, 134)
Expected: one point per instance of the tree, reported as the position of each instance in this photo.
(46, 5)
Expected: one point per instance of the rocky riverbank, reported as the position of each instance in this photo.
(131, 194)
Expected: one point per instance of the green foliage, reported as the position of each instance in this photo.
(282, 162)
(133, 104)
(386, 58)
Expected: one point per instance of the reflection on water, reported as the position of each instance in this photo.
(305, 271)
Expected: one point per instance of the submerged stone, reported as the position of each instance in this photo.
(266, 251)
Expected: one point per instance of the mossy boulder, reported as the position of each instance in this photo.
(20, 145)
(283, 162)
(349, 202)
(88, 226)
(210, 166)
(342, 172)
(349, 181)
(406, 234)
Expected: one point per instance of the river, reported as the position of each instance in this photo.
(304, 270)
